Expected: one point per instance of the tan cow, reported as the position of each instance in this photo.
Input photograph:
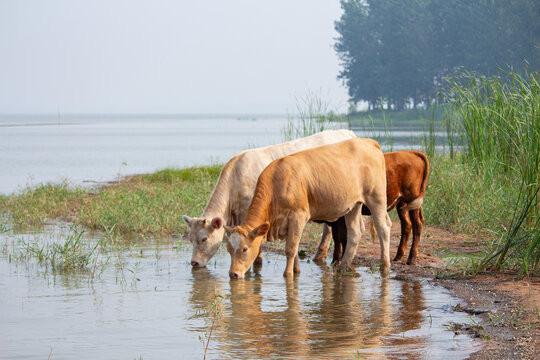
(234, 190)
(321, 184)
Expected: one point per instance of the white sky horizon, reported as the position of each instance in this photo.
(167, 57)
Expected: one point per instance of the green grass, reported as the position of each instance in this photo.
(493, 184)
(313, 115)
(33, 206)
(411, 117)
(72, 254)
(458, 199)
(142, 204)
(498, 118)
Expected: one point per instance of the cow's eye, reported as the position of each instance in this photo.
(204, 239)
(244, 249)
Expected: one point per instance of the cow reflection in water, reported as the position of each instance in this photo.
(336, 317)
(204, 288)
(346, 318)
(244, 330)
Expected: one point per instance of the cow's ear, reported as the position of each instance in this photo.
(216, 223)
(260, 230)
(187, 220)
(228, 230)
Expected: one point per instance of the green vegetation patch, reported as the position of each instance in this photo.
(494, 181)
(460, 199)
(141, 204)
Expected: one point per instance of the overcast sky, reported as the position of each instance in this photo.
(161, 56)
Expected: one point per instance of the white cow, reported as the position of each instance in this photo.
(234, 190)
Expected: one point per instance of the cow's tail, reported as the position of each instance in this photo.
(426, 172)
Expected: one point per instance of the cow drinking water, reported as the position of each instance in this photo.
(234, 190)
(320, 184)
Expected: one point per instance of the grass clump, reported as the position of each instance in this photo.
(141, 204)
(313, 115)
(498, 121)
(73, 254)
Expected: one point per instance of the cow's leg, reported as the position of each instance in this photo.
(294, 232)
(258, 260)
(417, 225)
(323, 245)
(296, 268)
(337, 234)
(338, 250)
(382, 224)
(405, 221)
(373, 231)
(354, 224)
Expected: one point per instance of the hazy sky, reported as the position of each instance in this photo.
(161, 56)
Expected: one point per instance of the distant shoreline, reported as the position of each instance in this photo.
(240, 116)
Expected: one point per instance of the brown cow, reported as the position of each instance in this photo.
(406, 178)
(324, 184)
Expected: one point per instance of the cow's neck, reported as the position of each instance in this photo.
(218, 206)
(258, 211)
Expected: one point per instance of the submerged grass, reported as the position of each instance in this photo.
(72, 254)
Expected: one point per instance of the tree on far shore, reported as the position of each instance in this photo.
(397, 52)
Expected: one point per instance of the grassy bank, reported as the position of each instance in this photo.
(498, 120)
(141, 204)
(459, 200)
(409, 117)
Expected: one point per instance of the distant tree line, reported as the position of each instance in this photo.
(396, 52)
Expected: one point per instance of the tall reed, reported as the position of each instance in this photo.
(313, 115)
(498, 118)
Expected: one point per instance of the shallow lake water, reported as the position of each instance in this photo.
(84, 150)
(148, 302)
(36, 149)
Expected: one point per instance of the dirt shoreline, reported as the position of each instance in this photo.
(506, 310)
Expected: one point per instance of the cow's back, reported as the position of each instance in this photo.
(326, 181)
(246, 167)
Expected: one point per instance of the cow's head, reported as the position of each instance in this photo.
(244, 245)
(206, 236)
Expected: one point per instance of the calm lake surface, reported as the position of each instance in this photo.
(35, 150)
(147, 302)
(89, 150)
